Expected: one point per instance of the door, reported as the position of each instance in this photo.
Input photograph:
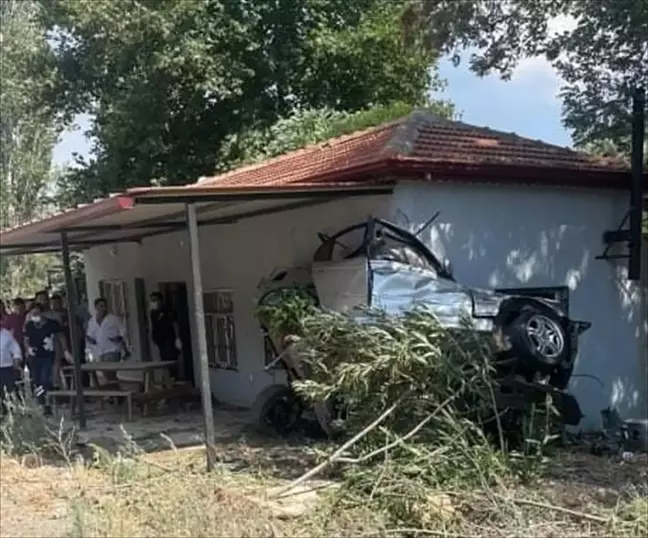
(175, 297)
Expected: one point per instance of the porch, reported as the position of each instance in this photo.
(174, 239)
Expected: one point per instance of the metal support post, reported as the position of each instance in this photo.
(199, 314)
(71, 298)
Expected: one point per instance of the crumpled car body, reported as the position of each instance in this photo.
(378, 264)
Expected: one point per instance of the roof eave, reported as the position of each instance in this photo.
(67, 218)
(542, 175)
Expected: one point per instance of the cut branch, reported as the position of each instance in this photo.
(333, 457)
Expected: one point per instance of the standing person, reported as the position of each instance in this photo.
(106, 335)
(42, 298)
(59, 313)
(42, 345)
(14, 321)
(10, 357)
(165, 332)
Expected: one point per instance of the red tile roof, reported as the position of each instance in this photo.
(304, 166)
(423, 143)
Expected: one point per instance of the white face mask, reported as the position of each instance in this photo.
(36, 319)
(155, 305)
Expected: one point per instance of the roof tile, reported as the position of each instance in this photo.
(422, 137)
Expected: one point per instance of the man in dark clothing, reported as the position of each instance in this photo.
(42, 345)
(164, 329)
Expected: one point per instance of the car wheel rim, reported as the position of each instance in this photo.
(546, 336)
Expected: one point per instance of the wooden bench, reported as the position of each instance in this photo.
(53, 395)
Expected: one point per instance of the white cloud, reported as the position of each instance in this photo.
(537, 71)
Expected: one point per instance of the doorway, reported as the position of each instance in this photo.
(175, 297)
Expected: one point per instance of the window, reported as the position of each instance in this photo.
(555, 293)
(219, 325)
(115, 293)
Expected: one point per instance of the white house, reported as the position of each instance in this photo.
(515, 213)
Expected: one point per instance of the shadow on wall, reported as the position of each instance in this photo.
(516, 237)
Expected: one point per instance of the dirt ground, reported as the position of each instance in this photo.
(39, 499)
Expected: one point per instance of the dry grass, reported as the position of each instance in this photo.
(168, 494)
(449, 481)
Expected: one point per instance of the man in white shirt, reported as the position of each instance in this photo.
(106, 334)
(10, 357)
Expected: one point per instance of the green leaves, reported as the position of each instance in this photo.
(178, 88)
(28, 130)
(311, 126)
(599, 47)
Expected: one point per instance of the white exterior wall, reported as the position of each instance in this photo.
(515, 236)
(121, 261)
(235, 257)
(495, 235)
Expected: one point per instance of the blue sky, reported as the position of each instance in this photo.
(527, 105)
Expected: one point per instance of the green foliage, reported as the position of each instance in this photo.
(306, 127)
(168, 81)
(28, 130)
(371, 360)
(417, 397)
(283, 311)
(438, 384)
(27, 133)
(601, 53)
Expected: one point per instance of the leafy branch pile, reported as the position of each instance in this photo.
(416, 397)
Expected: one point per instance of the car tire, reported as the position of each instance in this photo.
(538, 339)
(277, 411)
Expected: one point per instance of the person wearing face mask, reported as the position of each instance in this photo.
(43, 344)
(165, 332)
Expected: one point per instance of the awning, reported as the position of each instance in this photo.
(144, 212)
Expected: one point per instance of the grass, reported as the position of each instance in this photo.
(132, 494)
(410, 463)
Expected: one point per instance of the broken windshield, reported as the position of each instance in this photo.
(378, 239)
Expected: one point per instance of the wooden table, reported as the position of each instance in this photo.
(129, 366)
(148, 368)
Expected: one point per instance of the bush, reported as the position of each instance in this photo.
(430, 387)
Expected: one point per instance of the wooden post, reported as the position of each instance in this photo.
(199, 314)
(71, 298)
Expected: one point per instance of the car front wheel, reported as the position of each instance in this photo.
(538, 339)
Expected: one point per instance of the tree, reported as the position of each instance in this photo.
(169, 81)
(27, 133)
(602, 53)
(311, 126)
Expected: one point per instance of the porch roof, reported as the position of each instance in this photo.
(144, 212)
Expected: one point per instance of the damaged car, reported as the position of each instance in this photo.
(378, 264)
